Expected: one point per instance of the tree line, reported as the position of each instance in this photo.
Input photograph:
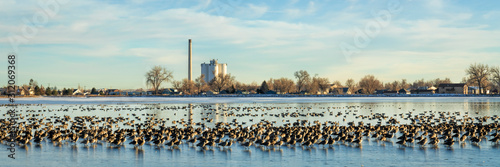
(477, 75)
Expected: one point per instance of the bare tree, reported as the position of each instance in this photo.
(284, 85)
(351, 85)
(337, 83)
(221, 82)
(369, 84)
(270, 84)
(479, 74)
(239, 85)
(177, 85)
(438, 81)
(422, 83)
(404, 84)
(200, 84)
(188, 86)
(495, 76)
(253, 87)
(319, 84)
(388, 85)
(394, 86)
(313, 87)
(303, 80)
(324, 84)
(156, 76)
(418, 83)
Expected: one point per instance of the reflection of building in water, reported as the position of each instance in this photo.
(212, 114)
(169, 113)
(190, 108)
(221, 113)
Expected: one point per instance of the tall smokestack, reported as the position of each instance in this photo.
(190, 63)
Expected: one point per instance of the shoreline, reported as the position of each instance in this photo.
(266, 95)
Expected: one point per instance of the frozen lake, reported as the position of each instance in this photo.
(246, 111)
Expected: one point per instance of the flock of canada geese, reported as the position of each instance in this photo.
(137, 126)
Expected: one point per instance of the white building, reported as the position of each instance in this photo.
(213, 69)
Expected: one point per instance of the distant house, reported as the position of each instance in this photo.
(110, 91)
(360, 91)
(379, 92)
(425, 92)
(27, 91)
(423, 88)
(332, 87)
(113, 92)
(271, 92)
(404, 92)
(31, 91)
(387, 92)
(473, 90)
(78, 92)
(3, 91)
(341, 91)
(450, 88)
(170, 91)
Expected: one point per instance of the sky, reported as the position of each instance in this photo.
(112, 44)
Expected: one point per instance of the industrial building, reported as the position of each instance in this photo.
(213, 69)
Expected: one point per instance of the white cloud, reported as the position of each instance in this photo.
(292, 2)
(258, 10)
(251, 11)
(80, 27)
(435, 4)
(293, 13)
(159, 55)
(311, 8)
(492, 15)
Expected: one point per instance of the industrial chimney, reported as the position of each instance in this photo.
(190, 63)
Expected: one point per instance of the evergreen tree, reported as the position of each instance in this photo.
(48, 91)
(37, 91)
(65, 91)
(93, 91)
(264, 87)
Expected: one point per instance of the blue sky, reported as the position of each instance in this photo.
(111, 44)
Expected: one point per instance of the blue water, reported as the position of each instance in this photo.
(372, 152)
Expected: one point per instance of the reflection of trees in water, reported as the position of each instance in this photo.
(479, 108)
(156, 109)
